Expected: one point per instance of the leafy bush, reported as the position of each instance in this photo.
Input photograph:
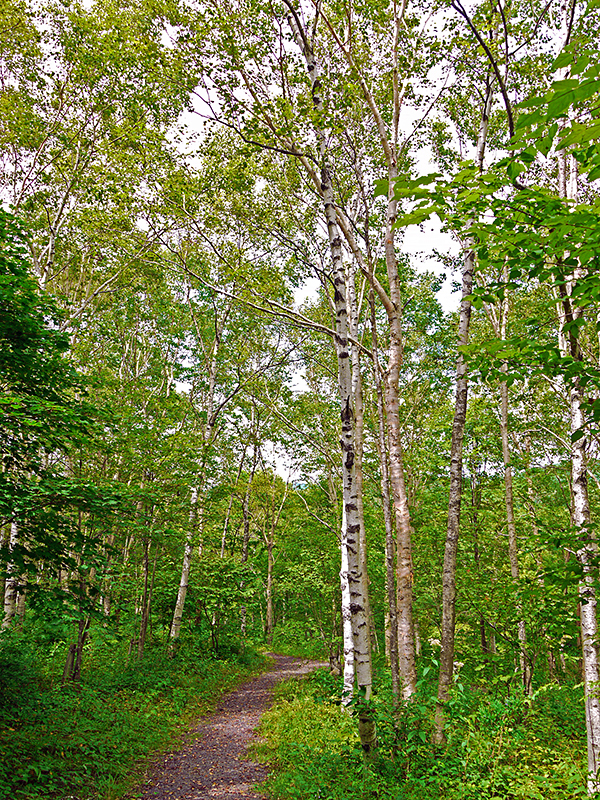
(507, 747)
(83, 740)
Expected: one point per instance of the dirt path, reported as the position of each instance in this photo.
(213, 763)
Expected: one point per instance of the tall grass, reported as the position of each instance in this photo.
(90, 740)
(502, 746)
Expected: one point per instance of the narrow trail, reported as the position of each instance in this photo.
(213, 764)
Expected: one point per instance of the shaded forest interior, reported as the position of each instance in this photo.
(236, 416)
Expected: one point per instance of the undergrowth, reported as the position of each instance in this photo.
(501, 745)
(84, 741)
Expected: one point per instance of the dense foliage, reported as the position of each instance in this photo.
(205, 282)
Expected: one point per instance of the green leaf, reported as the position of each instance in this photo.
(381, 187)
(594, 174)
(514, 168)
(560, 103)
(562, 60)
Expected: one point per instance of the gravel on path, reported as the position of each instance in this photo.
(213, 764)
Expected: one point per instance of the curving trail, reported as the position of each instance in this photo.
(213, 764)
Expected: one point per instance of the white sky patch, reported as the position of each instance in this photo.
(183, 387)
(308, 291)
(279, 459)
(421, 242)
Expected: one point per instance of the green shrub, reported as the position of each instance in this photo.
(85, 740)
(507, 747)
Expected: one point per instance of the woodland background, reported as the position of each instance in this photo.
(173, 496)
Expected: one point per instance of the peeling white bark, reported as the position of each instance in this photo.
(348, 638)
(185, 569)
(351, 500)
(11, 586)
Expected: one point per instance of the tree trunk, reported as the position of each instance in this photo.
(357, 398)
(82, 634)
(391, 633)
(148, 589)
(587, 556)
(404, 566)
(455, 495)
(230, 505)
(246, 533)
(185, 570)
(587, 553)
(70, 660)
(21, 602)
(347, 636)
(351, 500)
(11, 585)
(269, 611)
(512, 539)
(500, 328)
(453, 530)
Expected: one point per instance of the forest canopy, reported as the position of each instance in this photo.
(239, 411)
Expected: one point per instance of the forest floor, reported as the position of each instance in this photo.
(213, 762)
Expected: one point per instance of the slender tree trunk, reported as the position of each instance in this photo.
(390, 545)
(500, 329)
(455, 495)
(105, 599)
(82, 634)
(587, 553)
(357, 397)
(185, 570)
(149, 576)
(246, 532)
(11, 585)
(69, 661)
(587, 556)
(512, 538)
(21, 603)
(230, 506)
(270, 543)
(269, 610)
(404, 566)
(475, 504)
(360, 628)
(453, 530)
(347, 636)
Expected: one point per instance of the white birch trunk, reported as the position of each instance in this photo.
(230, 506)
(500, 329)
(391, 618)
(587, 552)
(587, 556)
(11, 586)
(185, 569)
(360, 628)
(357, 397)
(348, 638)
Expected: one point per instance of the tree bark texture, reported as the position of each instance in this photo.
(448, 624)
(453, 530)
(500, 329)
(391, 633)
(404, 566)
(11, 585)
(360, 629)
(347, 637)
(185, 569)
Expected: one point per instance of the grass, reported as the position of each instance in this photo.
(500, 746)
(91, 741)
